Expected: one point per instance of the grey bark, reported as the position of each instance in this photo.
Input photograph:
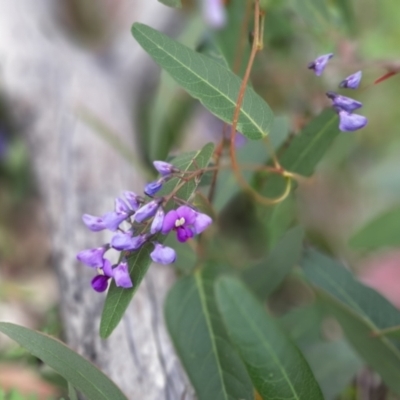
(47, 78)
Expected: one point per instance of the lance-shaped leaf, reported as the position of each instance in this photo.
(82, 374)
(118, 298)
(214, 368)
(332, 277)
(266, 276)
(215, 86)
(378, 352)
(276, 366)
(382, 231)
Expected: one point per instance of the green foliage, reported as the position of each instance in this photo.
(171, 3)
(75, 369)
(118, 298)
(201, 341)
(275, 365)
(382, 231)
(216, 87)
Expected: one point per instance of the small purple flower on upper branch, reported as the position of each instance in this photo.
(319, 64)
(147, 211)
(351, 122)
(125, 241)
(133, 200)
(121, 275)
(92, 257)
(186, 222)
(164, 168)
(163, 254)
(343, 103)
(157, 222)
(121, 206)
(112, 220)
(214, 13)
(352, 81)
(153, 187)
(95, 224)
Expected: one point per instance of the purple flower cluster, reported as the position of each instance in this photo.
(344, 106)
(136, 222)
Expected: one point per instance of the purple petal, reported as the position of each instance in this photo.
(169, 222)
(163, 254)
(95, 224)
(240, 140)
(153, 187)
(147, 211)
(352, 81)
(122, 241)
(138, 241)
(158, 220)
(344, 103)
(184, 233)
(92, 257)
(121, 206)
(187, 213)
(214, 13)
(319, 64)
(112, 220)
(107, 269)
(201, 223)
(121, 276)
(132, 199)
(100, 283)
(164, 168)
(351, 122)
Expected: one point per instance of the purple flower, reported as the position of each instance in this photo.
(163, 254)
(153, 187)
(125, 241)
(112, 220)
(351, 122)
(240, 140)
(186, 222)
(352, 81)
(343, 102)
(95, 224)
(92, 257)
(164, 168)
(121, 275)
(158, 220)
(147, 211)
(121, 206)
(100, 283)
(214, 13)
(319, 64)
(133, 200)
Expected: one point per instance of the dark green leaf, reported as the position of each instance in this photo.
(382, 231)
(200, 339)
(265, 277)
(172, 3)
(276, 366)
(118, 299)
(331, 276)
(378, 352)
(75, 369)
(215, 86)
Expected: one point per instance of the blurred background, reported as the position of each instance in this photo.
(357, 181)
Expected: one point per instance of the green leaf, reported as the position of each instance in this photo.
(72, 392)
(378, 352)
(275, 365)
(346, 9)
(314, 12)
(216, 87)
(332, 277)
(199, 336)
(172, 3)
(118, 298)
(265, 277)
(382, 231)
(75, 369)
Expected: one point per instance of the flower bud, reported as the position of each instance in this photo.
(95, 224)
(112, 220)
(157, 222)
(352, 81)
(146, 211)
(153, 187)
(92, 257)
(319, 64)
(343, 103)
(164, 168)
(100, 283)
(163, 254)
(351, 122)
(132, 199)
(121, 276)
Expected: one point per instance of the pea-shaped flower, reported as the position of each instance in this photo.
(319, 64)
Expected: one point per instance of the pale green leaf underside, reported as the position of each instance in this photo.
(75, 369)
(200, 339)
(118, 299)
(276, 366)
(215, 86)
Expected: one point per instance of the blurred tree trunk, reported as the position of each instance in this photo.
(48, 77)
